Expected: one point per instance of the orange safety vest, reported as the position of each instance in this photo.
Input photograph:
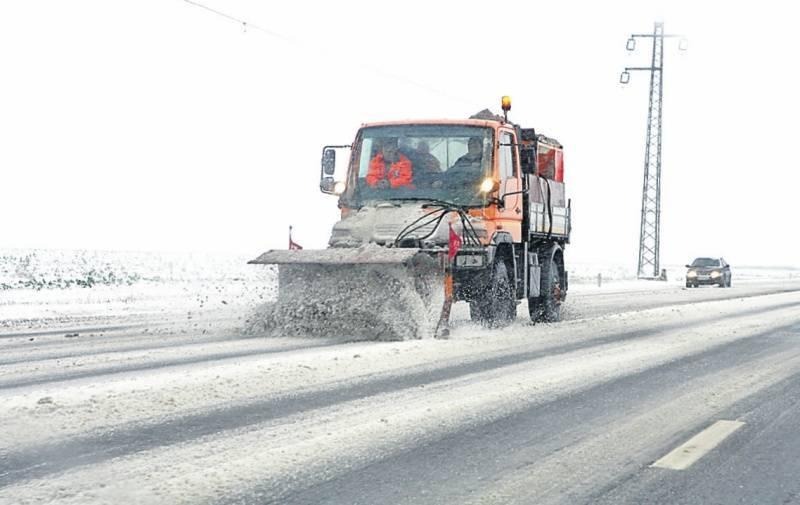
(398, 174)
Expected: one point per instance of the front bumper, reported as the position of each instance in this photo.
(702, 280)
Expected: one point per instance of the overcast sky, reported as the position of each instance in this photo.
(158, 125)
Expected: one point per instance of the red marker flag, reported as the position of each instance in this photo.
(293, 246)
(454, 243)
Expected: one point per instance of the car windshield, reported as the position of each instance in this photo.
(437, 162)
(705, 262)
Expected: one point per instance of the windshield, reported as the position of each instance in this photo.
(705, 262)
(441, 162)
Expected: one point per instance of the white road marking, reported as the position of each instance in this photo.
(684, 456)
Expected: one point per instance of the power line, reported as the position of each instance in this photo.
(246, 25)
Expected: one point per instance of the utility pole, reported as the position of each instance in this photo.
(650, 229)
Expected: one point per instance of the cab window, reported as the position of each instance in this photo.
(507, 156)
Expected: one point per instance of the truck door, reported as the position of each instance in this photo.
(508, 171)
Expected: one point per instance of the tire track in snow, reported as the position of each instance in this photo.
(93, 346)
(145, 364)
(610, 302)
(313, 448)
(139, 437)
(72, 329)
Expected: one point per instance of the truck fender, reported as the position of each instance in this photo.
(504, 241)
(497, 240)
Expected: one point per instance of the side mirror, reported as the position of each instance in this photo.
(328, 162)
(688, 266)
(328, 171)
(332, 187)
(326, 185)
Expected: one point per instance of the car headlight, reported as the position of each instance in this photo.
(691, 273)
(715, 274)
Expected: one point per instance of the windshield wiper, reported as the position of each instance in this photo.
(435, 201)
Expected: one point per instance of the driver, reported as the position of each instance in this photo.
(389, 168)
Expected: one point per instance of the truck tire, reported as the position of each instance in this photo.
(478, 292)
(497, 307)
(477, 312)
(546, 308)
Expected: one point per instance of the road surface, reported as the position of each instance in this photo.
(644, 394)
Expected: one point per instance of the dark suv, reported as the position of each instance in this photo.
(708, 271)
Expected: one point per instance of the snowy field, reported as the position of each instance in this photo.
(134, 378)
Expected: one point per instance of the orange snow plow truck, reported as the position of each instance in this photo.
(432, 212)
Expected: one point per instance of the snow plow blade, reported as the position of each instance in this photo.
(365, 293)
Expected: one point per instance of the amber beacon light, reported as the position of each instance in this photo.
(505, 103)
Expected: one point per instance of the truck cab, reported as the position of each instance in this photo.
(500, 185)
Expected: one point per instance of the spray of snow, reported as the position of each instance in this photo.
(357, 302)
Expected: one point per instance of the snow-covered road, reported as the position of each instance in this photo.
(161, 396)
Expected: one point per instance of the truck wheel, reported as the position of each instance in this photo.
(497, 307)
(478, 292)
(502, 305)
(547, 307)
(477, 311)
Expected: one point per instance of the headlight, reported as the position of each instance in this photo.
(489, 185)
(715, 274)
(691, 273)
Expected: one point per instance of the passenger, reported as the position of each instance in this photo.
(427, 169)
(426, 161)
(389, 168)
